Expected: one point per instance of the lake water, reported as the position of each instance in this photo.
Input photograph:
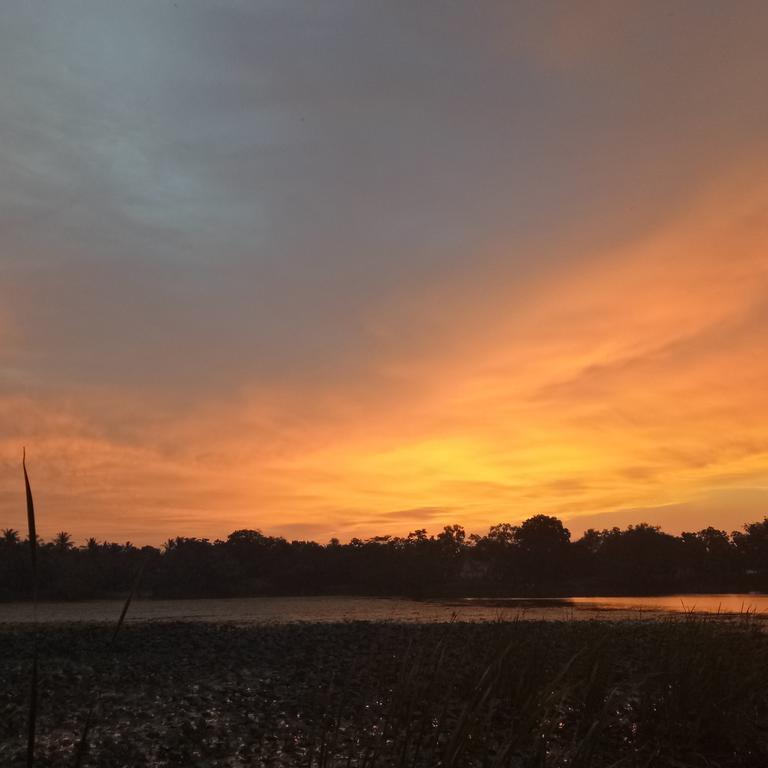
(270, 610)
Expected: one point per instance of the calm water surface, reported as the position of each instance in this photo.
(269, 610)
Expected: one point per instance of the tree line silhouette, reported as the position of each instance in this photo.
(535, 558)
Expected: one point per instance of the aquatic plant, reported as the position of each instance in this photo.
(34, 672)
(681, 692)
(32, 533)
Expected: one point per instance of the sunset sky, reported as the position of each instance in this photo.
(347, 268)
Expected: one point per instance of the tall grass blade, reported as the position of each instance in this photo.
(128, 600)
(83, 743)
(31, 526)
(82, 746)
(32, 719)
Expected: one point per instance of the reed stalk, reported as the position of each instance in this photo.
(32, 533)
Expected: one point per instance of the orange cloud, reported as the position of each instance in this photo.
(627, 381)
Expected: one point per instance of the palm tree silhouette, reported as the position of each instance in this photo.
(62, 541)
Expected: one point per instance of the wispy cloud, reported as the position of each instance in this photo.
(257, 270)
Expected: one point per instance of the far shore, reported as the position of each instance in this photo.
(329, 609)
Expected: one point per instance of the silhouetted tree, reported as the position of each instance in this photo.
(62, 541)
(542, 543)
(535, 557)
(752, 549)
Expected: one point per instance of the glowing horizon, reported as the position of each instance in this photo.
(349, 316)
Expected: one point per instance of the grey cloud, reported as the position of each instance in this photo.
(201, 194)
(417, 512)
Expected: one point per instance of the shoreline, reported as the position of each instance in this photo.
(268, 610)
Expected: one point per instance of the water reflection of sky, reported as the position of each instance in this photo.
(271, 610)
(725, 603)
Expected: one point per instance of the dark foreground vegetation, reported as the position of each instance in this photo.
(534, 558)
(676, 693)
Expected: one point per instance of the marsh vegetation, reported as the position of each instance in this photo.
(684, 692)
